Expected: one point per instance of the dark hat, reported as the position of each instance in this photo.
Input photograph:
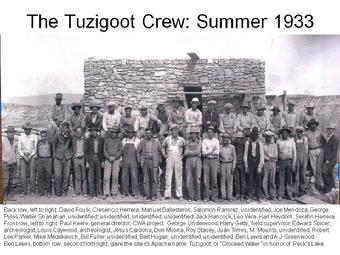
(27, 125)
(290, 102)
(113, 130)
(59, 96)
(276, 108)
(312, 121)
(129, 129)
(94, 127)
(128, 107)
(10, 129)
(95, 105)
(225, 135)
(255, 131)
(75, 106)
(245, 104)
(299, 129)
(65, 123)
(261, 107)
(285, 128)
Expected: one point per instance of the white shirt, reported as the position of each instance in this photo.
(253, 152)
(193, 118)
(27, 145)
(210, 147)
(134, 140)
(111, 120)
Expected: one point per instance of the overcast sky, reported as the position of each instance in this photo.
(34, 64)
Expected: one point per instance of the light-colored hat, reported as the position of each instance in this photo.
(111, 103)
(174, 126)
(239, 134)
(299, 128)
(195, 130)
(27, 125)
(195, 99)
(309, 106)
(59, 96)
(331, 126)
(268, 133)
(44, 130)
(94, 105)
(160, 102)
(225, 135)
(246, 104)
(211, 127)
(228, 105)
(10, 129)
(143, 107)
(212, 102)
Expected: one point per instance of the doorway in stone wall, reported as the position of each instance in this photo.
(193, 91)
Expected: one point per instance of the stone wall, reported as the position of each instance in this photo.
(147, 81)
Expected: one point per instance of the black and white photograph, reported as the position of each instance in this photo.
(254, 120)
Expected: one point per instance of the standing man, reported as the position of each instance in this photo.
(62, 152)
(177, 116)
(276, 120)
(210, 151)
(290, 117)
(111, 118)
(210, 118)
(112, 155)
(193, 164)
(269, 167)
(305, 117)
(95, 117)
(227, 122)
(193, 116)
(301, 143)
(79, 162)
(27, 149)
(9, 161)
(94, 157)
(262, 120)
(163, 116)
(253, 162)
(129, 163)
(287, 162)
(245, 120)
(149, 157)
(331, 153)
(240, 173)
(228, 164)
(44, 165)
(58, 110)
(127, 120)
(143, 121)
(77, 119)
(173, 147)
(316, 143)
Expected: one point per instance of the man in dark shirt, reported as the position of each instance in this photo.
(94, 117)
(210, 118)
(239, 173)
(79, 162)
(44, 165)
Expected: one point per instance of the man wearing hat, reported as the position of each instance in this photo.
(193, 116)
(44, 164)
(305, 117)
(9, 161)
(163, 116)
(210, 152)
(127, 120)
(129, 163)
(227, 120)
(77, 119)
(245, 120)
(331, 158)
(276, 120)
(78, 158)
(239, 173)
(290, 117)
(94, 158)
(177, 115)
(95, 117)
(193, 164)
(111, 118)
(27, 149)
(253, 162)
(210, 117)
(112, 153)
(62, 152)
(173, 147)
(262, 120)
(58, 110)
(316, 144)
(228, 164)
(286, 161)
(269, 167)
(301, 143)
(144, 121)
(150, 156)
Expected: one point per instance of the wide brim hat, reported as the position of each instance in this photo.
(254, 131)
(276, 108)
(309, 106)
(290, 102)
(331, 126)
(213, 102)
(245, 104)
(228, 105)
(261, 108)
(75, 106)
(113, 130)
(285, 129)
(94, 127)
(225, 135)
(27, 125)
(299, 129)
(10, 129)
(312, 121)
(268, 133)
(95, 105)
(59, 96)
(174, 126)
(195, 100)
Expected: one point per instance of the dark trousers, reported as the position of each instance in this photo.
(129, 172)
(193, 167)
(95, 177)
(299, 181)
(239, 180)
(150, 178)
(61, 176)
(44, 167)
(27, 169)
(80, 176)
(254, 180)
(328, 177)
(7, 177)
(285, 177)
(210, 167)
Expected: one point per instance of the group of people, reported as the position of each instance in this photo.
(245, 156)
